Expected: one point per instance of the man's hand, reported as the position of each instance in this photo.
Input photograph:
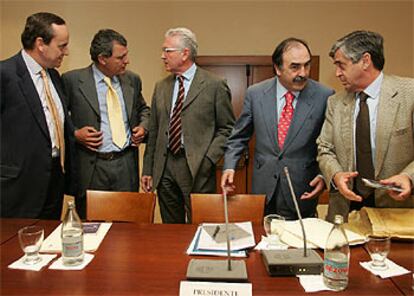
(138, 135)
(227, 180)
(146, 183)
(341, 180)
(404, 182)
(89, 137)
(319, 185)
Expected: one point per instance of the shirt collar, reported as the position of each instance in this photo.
(189, 74)
(373, 90)
(31, 63)
(281, 91)
(99, 76)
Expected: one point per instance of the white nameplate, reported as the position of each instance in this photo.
(209, 288)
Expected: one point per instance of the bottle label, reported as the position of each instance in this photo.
(72, 248)
(335, 269)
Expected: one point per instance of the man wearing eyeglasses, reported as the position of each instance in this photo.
(191, 119)
(110, 116)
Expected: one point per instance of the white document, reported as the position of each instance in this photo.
(317, 232)
(193, 249)
(91, 241)
(207, 242)
(214, 288)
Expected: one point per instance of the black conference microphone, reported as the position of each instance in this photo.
(293, 261)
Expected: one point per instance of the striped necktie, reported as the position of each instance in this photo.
(175, 121)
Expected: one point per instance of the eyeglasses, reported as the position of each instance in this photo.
(170, 49)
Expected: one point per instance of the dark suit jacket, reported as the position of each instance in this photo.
(83, 105)
(207, 119)
(25, 142)
(299, 151)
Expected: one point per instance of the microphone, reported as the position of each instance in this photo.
(293, 262)
(218, 270)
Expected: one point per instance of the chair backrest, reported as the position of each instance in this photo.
(241, 207)
(120, 206)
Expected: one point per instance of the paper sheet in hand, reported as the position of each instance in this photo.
(91, 241)
(239, 240)
(317, 231)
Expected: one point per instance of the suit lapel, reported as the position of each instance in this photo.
(128, 93)
(196, 86)
(387, 111)
(269, 111)
(303, 107)
(30, 94)
(347, 131)
(169, 89)
(88, 89)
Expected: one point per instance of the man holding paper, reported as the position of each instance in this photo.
(368, 130)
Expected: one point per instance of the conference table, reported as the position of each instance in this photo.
(151, 259)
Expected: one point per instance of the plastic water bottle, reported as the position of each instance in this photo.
(72, 237)
(336, 257)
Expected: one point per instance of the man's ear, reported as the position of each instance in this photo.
(277, 70)
(366, 60)
(39, 44)
(186, 54)
(102, 60)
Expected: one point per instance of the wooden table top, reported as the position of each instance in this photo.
(140, 259)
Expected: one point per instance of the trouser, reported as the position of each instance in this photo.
(177, 183)
(112, 174)
(52, 207)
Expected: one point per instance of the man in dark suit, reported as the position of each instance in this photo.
(191, 118)
(287, 114)
(110, 116)
(36, 134)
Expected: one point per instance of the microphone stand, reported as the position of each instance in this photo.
(218, 270)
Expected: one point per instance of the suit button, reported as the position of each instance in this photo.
(280, 157)
(275, 176)
(165, 154)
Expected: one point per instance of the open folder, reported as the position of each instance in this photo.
(317, 232)
(210, 239)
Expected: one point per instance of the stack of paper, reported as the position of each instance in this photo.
(317, 231)
(91, 239)
(210, 239)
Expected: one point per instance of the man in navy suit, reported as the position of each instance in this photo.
(287, 114)
(36, 137)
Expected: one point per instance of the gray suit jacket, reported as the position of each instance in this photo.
(207, 119)
(394, 140)
(299, 152)
(82, 102)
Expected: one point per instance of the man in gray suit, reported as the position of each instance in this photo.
(110, 116)
(287, 113)
(191, 118)
(385, 151)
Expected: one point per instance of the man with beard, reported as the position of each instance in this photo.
(286, 113)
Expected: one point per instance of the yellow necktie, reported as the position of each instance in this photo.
(116, 121)
(59, 132)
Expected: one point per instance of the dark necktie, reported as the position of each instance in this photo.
(285, 119)
(175, 121)
(364, 163)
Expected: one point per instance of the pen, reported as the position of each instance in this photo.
(216, 231)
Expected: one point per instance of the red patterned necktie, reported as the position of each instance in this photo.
(285, 119)
(175, 121)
